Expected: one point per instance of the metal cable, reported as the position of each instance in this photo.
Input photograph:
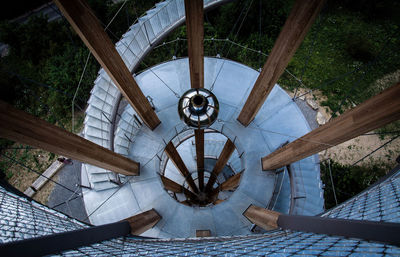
(85, 66)
(311, 49)
(76, 91)
(333, 185)
(283, 134)
(40, 174)
(380, 147)
(150, 69)
(237, 33)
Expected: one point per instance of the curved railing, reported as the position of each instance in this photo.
(135, 44)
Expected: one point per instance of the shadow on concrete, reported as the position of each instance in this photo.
(64, 200)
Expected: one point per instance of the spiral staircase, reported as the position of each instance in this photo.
(294, 189)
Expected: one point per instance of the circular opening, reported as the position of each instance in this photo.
(194, 187)
(198, 100)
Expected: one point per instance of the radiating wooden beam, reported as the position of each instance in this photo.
(218, 201)
(226, 153)
(171, 185)
(229, 184)
(144, 221)
(195, 33)
(232, 182)
(297, 24)
(176, 188)
(199, 138)
(176, 159)
(264, 218)
(372, 114)
(186, 202)
(22, 127)
(86, 25)
(386, 232)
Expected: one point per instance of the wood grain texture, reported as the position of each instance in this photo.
(176, 188)
(86, 25)
(143, 221)
(231, 183)
(218, 201)
(176, 159)
(199, 138)
(264, 218)
(42, 180)
(296, 27)
(22, 127)
(195, 33)
(223, 158)
(203, 233)
(374, 113)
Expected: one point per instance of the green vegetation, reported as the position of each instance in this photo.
(345, 52)
(43, 68)
(353, 44)
(348, 180)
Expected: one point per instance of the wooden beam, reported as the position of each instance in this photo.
(199, 138)
(229, 184)
(372, 114)
(171, 185)
(296, 26)
(44, 178)
(264, 218)
(176, 159)
(203, 233)
(218, 201)
(86, 25)
(195, 34)
(144, 221)
(223, 158)
(232, 182)
(22, 127)
(176, 188)
(186, 202)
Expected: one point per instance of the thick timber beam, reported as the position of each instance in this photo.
(86, 25)
(223, 158)
(176, 188)
(143, 221)
(58, 242)
(195, 33)
(374, 113)
(22, 127)
(296, 26)
(173, 154)
(386, 232)
(199, 138)
(229, 184)
(218, 201)
(264, 218)
(203, 233)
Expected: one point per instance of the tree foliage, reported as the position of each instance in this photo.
(347, 180)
